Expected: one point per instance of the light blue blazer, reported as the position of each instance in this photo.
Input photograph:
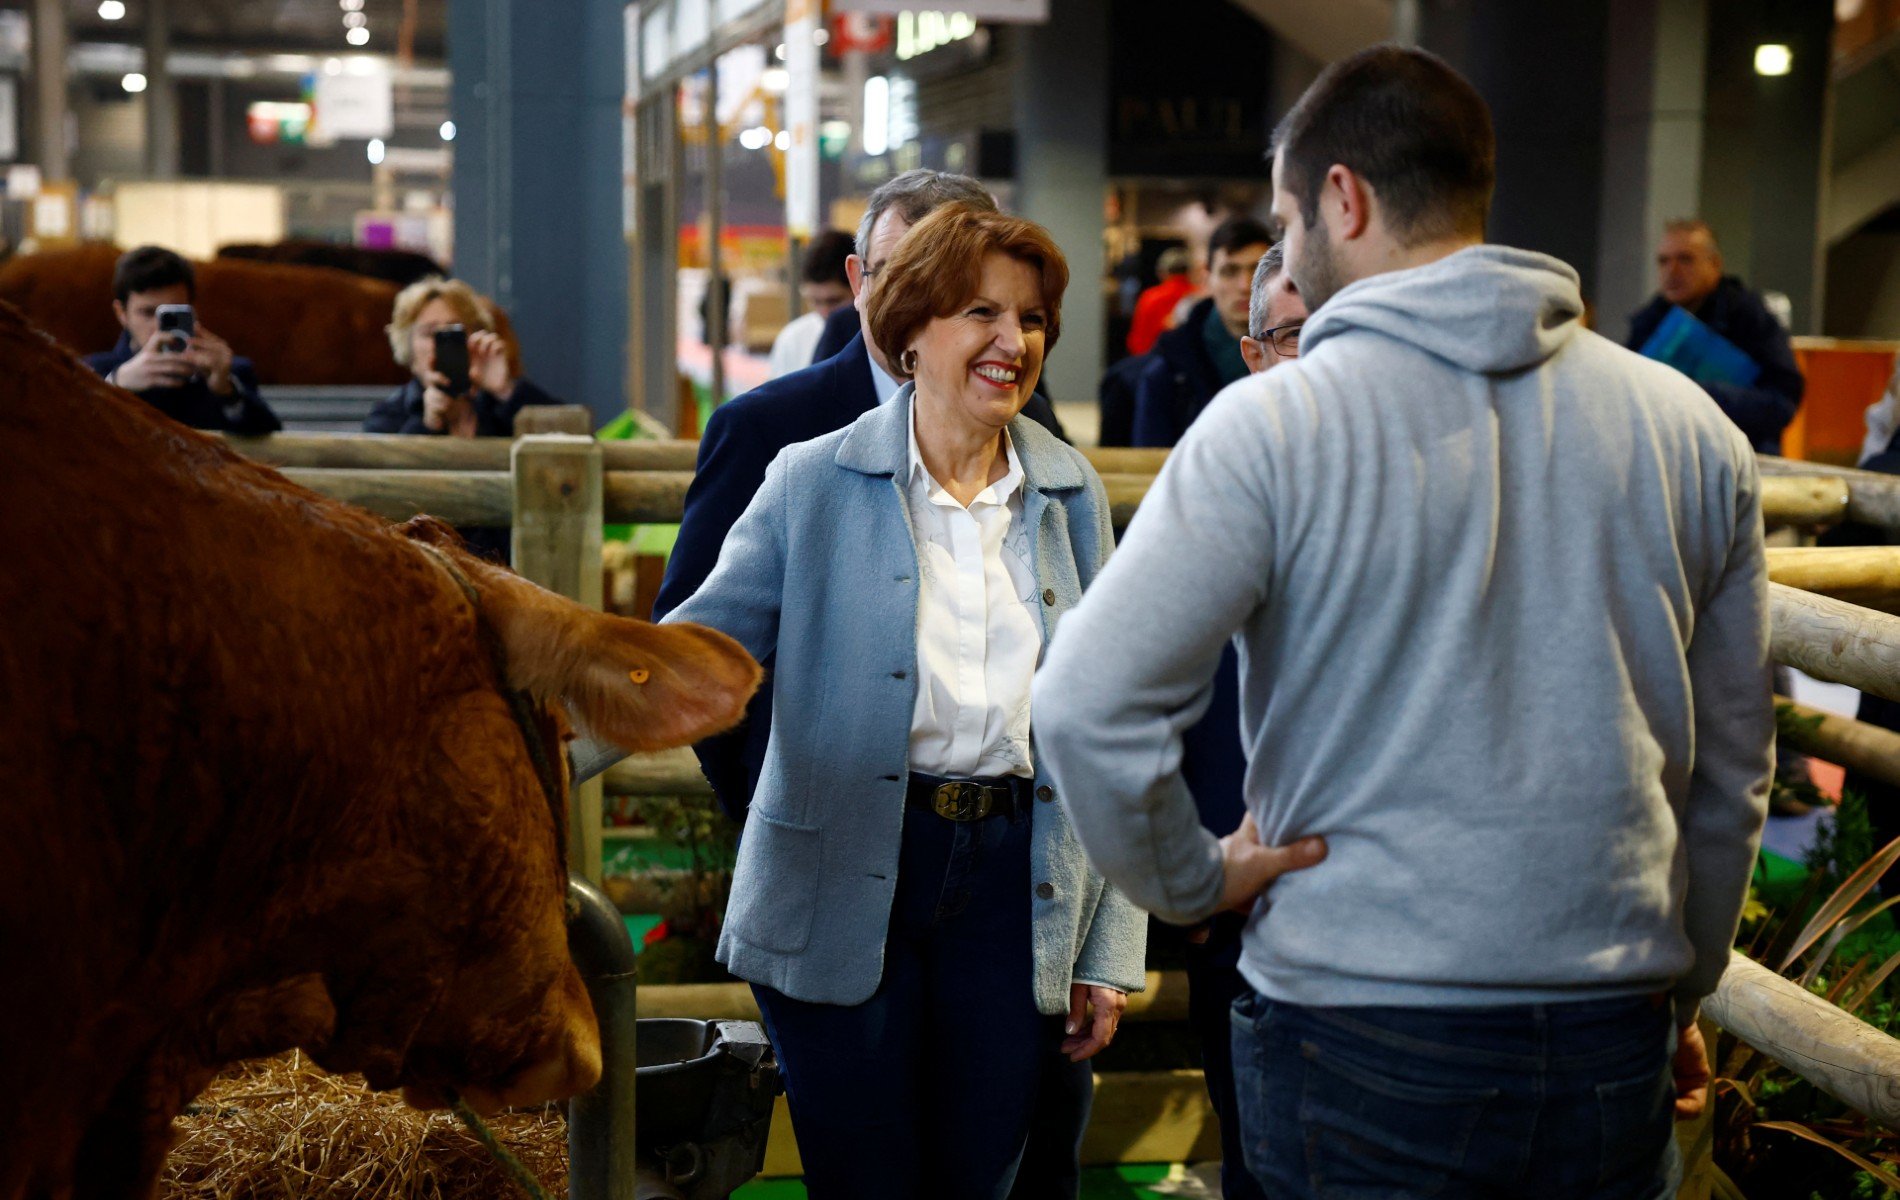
(822, 571)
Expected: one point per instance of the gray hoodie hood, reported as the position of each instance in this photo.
(1490, 309)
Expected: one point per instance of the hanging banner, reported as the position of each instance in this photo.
(801, 116)
(1021, 12)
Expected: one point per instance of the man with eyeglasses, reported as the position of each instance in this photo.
(1202, 355)
(1215, 766)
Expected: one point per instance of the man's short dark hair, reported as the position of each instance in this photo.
(1404, 121)
(915, 194)
(149, 268)
(824, 258)
(1236, 232)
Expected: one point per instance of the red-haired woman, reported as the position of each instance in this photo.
(919, 924)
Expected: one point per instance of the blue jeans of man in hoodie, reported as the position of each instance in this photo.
(1570, 1101)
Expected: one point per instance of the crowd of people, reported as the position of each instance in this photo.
(1448, 773)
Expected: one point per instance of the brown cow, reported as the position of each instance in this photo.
(262, 785)
(314, 326)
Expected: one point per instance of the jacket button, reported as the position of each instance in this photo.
(899, 674)
(1045, 793)
(1048, 595)
(1046, 890)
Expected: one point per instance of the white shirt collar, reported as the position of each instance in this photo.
(882, 383)
(999, 492)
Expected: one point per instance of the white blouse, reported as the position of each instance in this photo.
(979, 627)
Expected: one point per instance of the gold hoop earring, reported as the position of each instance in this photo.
(907, 362)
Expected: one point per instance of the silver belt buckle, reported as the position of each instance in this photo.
(961, 801)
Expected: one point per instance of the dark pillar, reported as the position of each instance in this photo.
(161, 93)
(1652, 146)
(1541, 67)
(1062, 107)
(536, 97)
(50, 107)
(1764, 150)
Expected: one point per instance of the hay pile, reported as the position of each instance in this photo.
(280, 1129)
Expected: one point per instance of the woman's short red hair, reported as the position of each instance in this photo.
(938, 267)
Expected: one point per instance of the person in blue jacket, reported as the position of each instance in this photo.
(196, 381)
(740, 441)
(1201, 355)
(918, 922)
(1689, 275)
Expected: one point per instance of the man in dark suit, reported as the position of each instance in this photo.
(195, 379)
(740, 441)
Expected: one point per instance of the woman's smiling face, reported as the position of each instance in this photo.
(980, 363)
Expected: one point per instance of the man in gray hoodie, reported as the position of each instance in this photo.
(1500, 600)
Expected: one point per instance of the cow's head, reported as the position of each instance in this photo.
(493, 1005)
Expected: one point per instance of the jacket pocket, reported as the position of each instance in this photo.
(775, 884)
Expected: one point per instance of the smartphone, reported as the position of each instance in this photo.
(451, 357)
(179, 321)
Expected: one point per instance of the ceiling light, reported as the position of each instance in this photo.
(820, 36)
(375, 151)
(351, 5)
(133, 82)
(783, 140)
(756, 138)
(111, 10)
(358, 36)
(354, 20)
(1773, 59)
(447, 131)
(775, 80)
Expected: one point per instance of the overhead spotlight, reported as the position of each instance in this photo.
(133, 82)
(111, 10)
(375, 151)
(333, 66)
(778, 52)
(820, 36)
(783, 140)
(447, 131)
(758, 137)
(354, 20)
(358, 36)
(1773, 59)
(775, 80)
(350, 5)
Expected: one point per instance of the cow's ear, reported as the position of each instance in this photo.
(638, 686)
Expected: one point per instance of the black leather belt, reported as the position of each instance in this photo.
(969, 799)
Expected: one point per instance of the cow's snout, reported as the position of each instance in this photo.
(567, 1061)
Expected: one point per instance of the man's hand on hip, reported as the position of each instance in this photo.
(1248, 867)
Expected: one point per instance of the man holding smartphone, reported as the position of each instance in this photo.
(183, 369)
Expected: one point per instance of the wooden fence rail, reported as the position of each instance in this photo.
(482, 483)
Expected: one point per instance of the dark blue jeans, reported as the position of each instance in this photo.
(926, 1089)
(1546, 1102)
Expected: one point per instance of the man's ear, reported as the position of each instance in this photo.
(1255, 354)
(118, 310)
(636, 685)
(1348, 199)
(854, 274)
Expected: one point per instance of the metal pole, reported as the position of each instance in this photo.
(600, 1146)
(718, 296)
(161, 95)
(49, 89)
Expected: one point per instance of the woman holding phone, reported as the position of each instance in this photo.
(466, 378)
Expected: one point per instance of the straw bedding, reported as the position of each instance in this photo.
(279, 1128)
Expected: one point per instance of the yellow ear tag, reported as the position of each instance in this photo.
(639, 675)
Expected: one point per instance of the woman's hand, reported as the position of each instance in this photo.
(488, 364)
(1094, 1015)
(441, 411)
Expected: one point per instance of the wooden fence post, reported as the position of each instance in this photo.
(557, 533)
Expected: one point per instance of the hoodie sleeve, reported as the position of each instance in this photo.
(1734, 746)
(1112, 703)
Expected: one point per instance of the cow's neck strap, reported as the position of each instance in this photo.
(519, 704)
